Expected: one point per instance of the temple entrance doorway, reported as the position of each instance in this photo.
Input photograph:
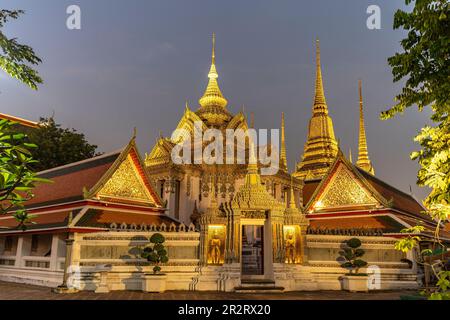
(252, 250)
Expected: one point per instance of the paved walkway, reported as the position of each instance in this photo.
(14, 291)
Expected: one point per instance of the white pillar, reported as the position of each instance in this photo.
(19, 252)
(56, 252)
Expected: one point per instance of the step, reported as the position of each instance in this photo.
(258, 285)
(258, 289)
(257, 282)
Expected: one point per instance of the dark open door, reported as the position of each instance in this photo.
(252, 250)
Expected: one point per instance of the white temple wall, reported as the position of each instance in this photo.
(41, 263)
(120, 250)
(383, 261)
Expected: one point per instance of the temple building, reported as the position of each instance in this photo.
(227, 227)
(188, 189)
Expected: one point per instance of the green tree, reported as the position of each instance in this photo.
(16, 59)
(58, 146)
(425, 65)
(351, 254)
(17, 179)
(156, 253)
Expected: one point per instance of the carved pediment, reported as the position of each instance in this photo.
(185, 128)
(254, 214)
(238, 122)
(160, 154)
(344, 190)
(126, 183)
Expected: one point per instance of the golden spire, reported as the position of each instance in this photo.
(252, 177)
(321, 146)
(320, 103)
(252, 160)
(363, 155)
(292, 200)
(213, 96)
(350, 155)
(283, 160)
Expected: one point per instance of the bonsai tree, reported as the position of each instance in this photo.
(156, 253)
(351, 255)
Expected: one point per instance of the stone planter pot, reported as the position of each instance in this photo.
(154, 282)
(354, 283)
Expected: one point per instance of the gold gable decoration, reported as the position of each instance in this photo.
(125, 183)
(161, 153)
(344, 190)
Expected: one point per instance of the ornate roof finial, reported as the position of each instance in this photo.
(319, 96)
(350, 155)
(213, 55)
(363, 154)
(212, 71)
(283, 159)
(213, 96)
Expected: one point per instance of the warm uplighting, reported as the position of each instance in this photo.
(292, 243)
(216, 244)
(318, 205)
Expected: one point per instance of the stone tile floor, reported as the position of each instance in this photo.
(14, 291)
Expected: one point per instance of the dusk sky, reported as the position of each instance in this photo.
(135, 63)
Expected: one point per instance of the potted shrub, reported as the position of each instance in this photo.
(156, 254)
(354, 281)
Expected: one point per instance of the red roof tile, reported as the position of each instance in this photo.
(40, 221)
(103, 218)
(384, 223)
(308, 190)
(68, 181)
(401, 201)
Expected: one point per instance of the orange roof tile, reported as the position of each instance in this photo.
(68, 181)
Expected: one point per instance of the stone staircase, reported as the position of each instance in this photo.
(258, 286)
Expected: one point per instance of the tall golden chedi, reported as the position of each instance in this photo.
(363, 155)
(321, 146)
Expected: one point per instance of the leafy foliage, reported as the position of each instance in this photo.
(58, 146)
(407, 243)
(351, 254)
(425, 63)
(156, 253)
(425, 60)
(17, 179)
(16, 58)
(434, 160)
